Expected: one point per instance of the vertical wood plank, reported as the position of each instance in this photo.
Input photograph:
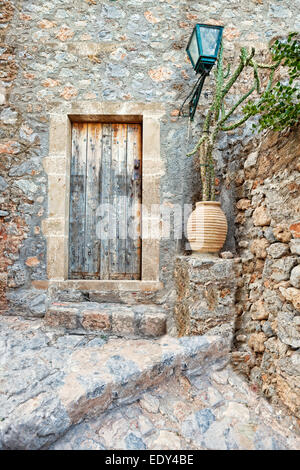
(77, 200)
(105, 197)
(93, 163)
(122, 200)
(113, 202)
(134, 199)
(118, 188)
(118, 201)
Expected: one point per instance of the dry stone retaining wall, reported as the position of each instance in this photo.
(267, 339)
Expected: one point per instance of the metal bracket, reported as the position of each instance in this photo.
(196, 92)
(195, 98)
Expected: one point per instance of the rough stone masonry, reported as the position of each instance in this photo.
(206, 288)
(267, 336)
(68, 51)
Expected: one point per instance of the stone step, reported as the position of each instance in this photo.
(141, 320)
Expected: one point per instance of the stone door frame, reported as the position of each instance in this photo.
(57, 166)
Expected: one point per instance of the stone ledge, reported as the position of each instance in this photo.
(107, 291)
(95, 285)
(100, 286)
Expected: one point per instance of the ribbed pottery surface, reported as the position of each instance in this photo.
(207, 227)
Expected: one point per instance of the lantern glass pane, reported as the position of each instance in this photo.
(209, 40)
(193, 48)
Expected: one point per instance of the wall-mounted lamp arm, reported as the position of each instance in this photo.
(195, 98)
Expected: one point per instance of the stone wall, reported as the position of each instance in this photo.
(206, 288)
(267, 339)
(68, 51)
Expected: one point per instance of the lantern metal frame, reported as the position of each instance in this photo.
(203, 65)
(204, 62)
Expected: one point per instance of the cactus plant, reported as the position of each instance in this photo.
(283, 53)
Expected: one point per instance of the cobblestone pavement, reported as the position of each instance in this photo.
(45, 376)
(216, 412)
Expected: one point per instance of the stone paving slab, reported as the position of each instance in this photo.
(89, 392)
(215, 411)
(49, 382)
(110, 318)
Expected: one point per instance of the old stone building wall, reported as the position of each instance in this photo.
(60, 53)
(267, 336)
(54, 55)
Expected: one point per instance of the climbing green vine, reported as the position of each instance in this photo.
(277, 105)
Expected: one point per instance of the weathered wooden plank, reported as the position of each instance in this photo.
(118, 188)
(113, 215)
(77, 200)
(105, 197)
(134, 195)
(113, 201)
(92, 200)
(138, 200)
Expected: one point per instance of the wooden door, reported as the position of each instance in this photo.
(105, 201)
